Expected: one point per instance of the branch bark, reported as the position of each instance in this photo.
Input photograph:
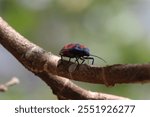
(48, 66)
(65, 89)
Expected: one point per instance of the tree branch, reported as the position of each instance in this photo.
(65, 89)
(44, 64)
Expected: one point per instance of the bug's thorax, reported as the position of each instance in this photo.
(74, 50)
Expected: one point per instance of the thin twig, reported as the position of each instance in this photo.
(13, 81)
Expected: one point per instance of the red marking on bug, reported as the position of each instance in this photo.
(69, 46)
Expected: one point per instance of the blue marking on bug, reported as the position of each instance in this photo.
(77, 51)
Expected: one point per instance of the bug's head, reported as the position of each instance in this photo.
(86, 52)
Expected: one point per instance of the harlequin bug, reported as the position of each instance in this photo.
(77, 51)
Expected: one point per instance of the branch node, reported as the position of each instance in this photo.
(36, 58)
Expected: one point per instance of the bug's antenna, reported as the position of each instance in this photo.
(98, 57)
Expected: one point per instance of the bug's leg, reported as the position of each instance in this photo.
(82, 60)
(77, 63)
(61, 57)
(77, 60)
(92, 61)
(69, 60)
(61, 60)
(90, 58)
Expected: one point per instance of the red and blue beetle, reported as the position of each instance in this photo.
(77, 51)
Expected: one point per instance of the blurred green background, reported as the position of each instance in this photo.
(116, 30)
